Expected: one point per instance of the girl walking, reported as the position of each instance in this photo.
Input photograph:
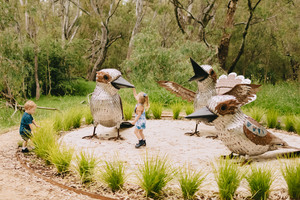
(140, 116)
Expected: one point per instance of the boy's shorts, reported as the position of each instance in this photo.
(26, 136)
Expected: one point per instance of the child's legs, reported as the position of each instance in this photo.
(141, 134)
(24, 144)
(137, 134)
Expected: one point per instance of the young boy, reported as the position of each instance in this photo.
(27, 124)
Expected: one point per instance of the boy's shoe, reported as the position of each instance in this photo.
(25, 150)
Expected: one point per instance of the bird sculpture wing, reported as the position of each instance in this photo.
(178, 90)
(121, 107)
(227, 82)
(244, 93)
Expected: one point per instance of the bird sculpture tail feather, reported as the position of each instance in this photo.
(178, 90)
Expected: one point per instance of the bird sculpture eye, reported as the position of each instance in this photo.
(224, 107)
(105, 77)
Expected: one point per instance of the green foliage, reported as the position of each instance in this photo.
(156, 109)
(128, 110)
(44, 138)
(257, 113)
(190, 182)
(58, 121)
(228, 177)
(61, 157)
(88, 118)
(272, 119)
(113, 174)
(291, 174)
(176, 108)
(72, 118)
(260, 181)
(154, 175)
(297, 127)
(289, 123)
(189, 109)
(85, 165)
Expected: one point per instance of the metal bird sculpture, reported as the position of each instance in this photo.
(106, 104)
(240, 133)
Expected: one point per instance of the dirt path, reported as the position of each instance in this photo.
(17, 183)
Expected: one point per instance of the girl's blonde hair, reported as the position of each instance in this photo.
(143, 98)
(29, 104)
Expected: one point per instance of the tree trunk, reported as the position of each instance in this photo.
(38, 90)
(139, 17)
(225, 40)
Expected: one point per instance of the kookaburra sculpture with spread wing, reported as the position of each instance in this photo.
(106, 104)
(240, 133)
(208, 85)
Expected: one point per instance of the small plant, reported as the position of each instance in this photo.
(113, 174)
(155, 173)
(61, 157)
(260, 181)
(77, 117)
(297, 126)
(128, 110)
(72, 119)
(272, 117)
(58, 121)
(228, 177)
(85, 166)
(256, 113)
(189, 109)
(44, 138)
(176, 108)
(190, 182)
(290, 123)
(88, 116)
(291, 174)
(148, 114)
(156, 109)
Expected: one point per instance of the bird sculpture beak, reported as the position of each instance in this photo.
(200, 74)
(204, 114)
(121, 83)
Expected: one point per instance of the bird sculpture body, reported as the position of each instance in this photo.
(105, 103)
(240, 133)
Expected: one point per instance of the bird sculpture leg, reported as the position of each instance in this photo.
(196, 132)
(118, 137)
(91, 136)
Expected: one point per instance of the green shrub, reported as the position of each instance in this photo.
(291, 174)
(88, 116)
(228, 177)
(128, 110)
(148, 114)
(272, 117)
(72, 119)
(156, 109)
(190, 182)
(85, 165)
(260, 181)
(256, 113)
(289, 123)
(189, 109)
(176, 108)
(297, 126)
(58, 121)
(44, 138)
(154, 174)
(113, 174)
(61, 157)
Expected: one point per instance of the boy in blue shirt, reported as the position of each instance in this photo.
(27, 123)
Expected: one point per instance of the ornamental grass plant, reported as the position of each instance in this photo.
(156, 109)
(128, 111)
(228, 176)
(61, 156)
(176, 108)
(113, 174)
(256, 113)
(289, 123)
(85, 165)
(260, 180)
(272, 117)
(154, 174)
(291, 174)
(44, 138)
(190, 182)
(88, 118)
(189, 109)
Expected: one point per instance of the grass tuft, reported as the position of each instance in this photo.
(256, 113)
(176, 108)
(88, 118)
(291, 174)
(228, 177)
(289, 123)
(260, 181)
(85, 165)
(272, 116)
(128, 110)
(189, 109)
(113, 174)
(154, 175)
(156, 109)
(61, 157)
(190, 182)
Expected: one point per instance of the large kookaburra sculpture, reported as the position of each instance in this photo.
(208, 86)
(239, 132)
(106, 104)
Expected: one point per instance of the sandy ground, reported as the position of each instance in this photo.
(164, 137)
